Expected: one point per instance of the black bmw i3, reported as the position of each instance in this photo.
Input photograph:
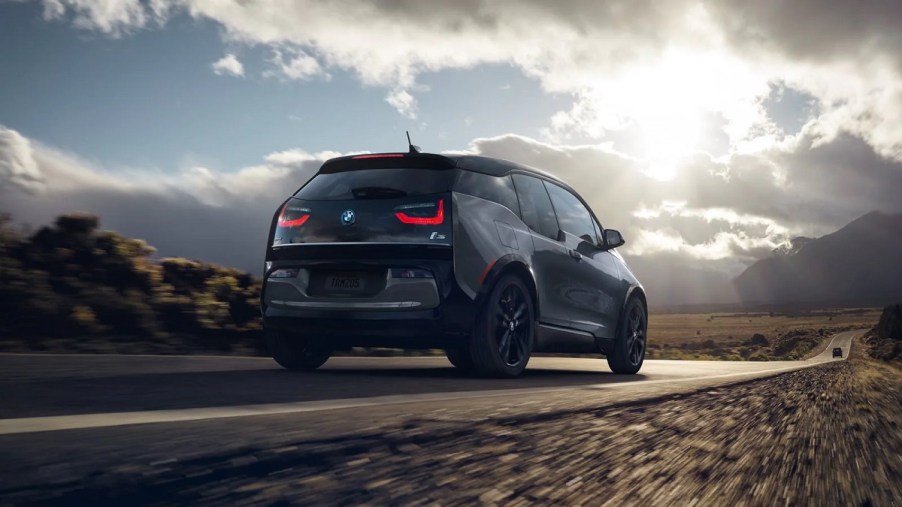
(485, 258)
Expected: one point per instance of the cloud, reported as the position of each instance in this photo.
(197, 212)
(740, 206)
(111, 17)
(298, 66)
(403, 102)
(18, 168)
(228, 64)
(655, 70)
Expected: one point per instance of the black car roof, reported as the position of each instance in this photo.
(485, 165)
(496, 166)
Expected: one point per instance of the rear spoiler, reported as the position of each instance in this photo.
(387, 161)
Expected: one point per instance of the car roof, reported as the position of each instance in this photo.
(486, 165)
(496, 166)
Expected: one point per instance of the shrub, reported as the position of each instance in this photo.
(71, 279)
(758, 340)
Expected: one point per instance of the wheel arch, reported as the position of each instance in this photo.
(635, 291)
(510, 264)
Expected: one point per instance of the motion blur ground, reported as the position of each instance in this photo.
(822, 435)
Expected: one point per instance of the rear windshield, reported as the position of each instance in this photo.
(376, 184)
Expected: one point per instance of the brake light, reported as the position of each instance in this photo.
(415, 220)
(297, 222)
(293, 217)
(379, 155)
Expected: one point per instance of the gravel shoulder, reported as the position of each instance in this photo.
(823, 435)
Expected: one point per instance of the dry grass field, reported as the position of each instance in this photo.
(786, 335)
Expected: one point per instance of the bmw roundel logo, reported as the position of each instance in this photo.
(348, 217)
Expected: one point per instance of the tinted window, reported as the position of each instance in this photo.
(535, 207)
(497, 189)
(376, 184)
(572, 214)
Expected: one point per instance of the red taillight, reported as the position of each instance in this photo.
(379, 155)
(433, 220)
(297, 221)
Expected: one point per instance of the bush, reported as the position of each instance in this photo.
(758, 340)
(71, 279)
(886, 337)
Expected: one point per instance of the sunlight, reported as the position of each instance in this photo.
(663, 105)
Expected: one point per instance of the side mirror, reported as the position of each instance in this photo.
(613, 238)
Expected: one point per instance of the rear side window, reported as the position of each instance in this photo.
(572, 215)
(535, 206)
(376, 184)
(498, 189)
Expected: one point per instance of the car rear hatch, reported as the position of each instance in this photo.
(367, 232)
(374, 199)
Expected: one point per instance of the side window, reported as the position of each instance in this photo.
(497, 189)
(572, 214)
(535, 206)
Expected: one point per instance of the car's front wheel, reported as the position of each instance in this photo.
(503, 336)
(294, 352)
(629, 346)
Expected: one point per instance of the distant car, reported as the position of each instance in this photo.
(837, 352)
(487, 259)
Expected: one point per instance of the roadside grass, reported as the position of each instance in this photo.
(751, 336)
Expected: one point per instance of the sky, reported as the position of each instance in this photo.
(709, 133)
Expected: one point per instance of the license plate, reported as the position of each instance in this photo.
(345, 283)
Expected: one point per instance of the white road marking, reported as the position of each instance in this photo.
(105, 420)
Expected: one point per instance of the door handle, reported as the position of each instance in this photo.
(576, 255)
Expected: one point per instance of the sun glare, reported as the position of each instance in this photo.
(663, 105)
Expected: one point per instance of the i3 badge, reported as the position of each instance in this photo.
(348, 217)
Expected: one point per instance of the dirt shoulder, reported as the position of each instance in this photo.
(823, 435)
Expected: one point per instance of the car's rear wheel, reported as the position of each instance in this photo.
(295, 352)
(629, 347)
(460, 358)
(503, 336)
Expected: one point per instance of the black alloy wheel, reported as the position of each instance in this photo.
(629, 348)
(503, 339)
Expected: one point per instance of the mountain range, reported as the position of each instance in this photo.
(858, 265)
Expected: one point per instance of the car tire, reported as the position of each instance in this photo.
(631, 341)
(504, 332)
(294, 352)
(460, 358)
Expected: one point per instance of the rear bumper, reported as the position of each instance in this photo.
(444, 321)
(414, 330)
(445, 326)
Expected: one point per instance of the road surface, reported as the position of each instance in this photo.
(61, 392)
(64, 416)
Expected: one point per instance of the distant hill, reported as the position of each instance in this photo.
(860, 265)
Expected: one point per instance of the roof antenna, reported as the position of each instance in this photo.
(412, 148)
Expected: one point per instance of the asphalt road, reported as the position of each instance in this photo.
(64, 416)
(59, 392)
